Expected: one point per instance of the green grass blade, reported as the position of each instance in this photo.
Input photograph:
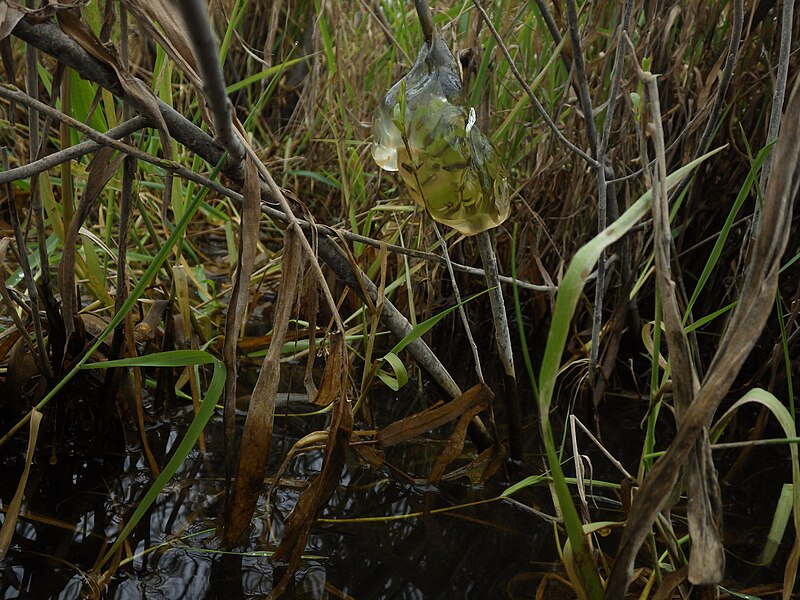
(171, 358)
(175, 237)
(526, 356)
(256, 77)
(528, 481)
(400, 377)
(783, 512)
(422, 328)
(187, 443)
(716, 251)
(786, 421)
(569, 293)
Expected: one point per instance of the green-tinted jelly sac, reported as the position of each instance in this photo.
(449, 166)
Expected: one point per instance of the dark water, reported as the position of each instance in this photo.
(494, 550)
(500, 549)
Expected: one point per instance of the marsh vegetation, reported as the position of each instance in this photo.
(239, 360)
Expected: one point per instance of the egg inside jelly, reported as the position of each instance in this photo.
(449, 166)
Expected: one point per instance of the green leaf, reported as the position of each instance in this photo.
(400, 373)
(421, 329)
(527, 482)
(187, 443)
(785, 420)
(172, 358)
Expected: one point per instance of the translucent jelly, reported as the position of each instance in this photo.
(423, 130)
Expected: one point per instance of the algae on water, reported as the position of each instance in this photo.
(424, 130)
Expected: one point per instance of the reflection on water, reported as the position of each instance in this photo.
(487, 551)
(77, 504)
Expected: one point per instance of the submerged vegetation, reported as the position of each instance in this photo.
(224, 320)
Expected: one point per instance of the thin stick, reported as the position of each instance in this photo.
(72, 153)
(207, 55)
(374, 9)
(782, 74)
(50, 304)
(33, 294)
(503, 340)
(32, 88)
(129, 165)
(616, 80)
(600, 174)
(498, 303)
(425, 20)
(580, 75)
(461, 311)
(576, 421)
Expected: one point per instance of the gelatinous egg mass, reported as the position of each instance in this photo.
(423, 129)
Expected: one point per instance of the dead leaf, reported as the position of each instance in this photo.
(454, 446)
(410, 427)
(24, 382)
(481, 468)
(101, 169)
(165, 25)
(255, 445)
(170, 33)
(704, 514)
(240, 295)
(313, 500)
(331, 377)
(670, 583)
(7, 340)
(373, 456)
(12, 12)
(12, 514)
(10, 15)
(310, 295)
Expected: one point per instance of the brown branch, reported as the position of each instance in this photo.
(425, 20)
(207, 55)
(72, 153)
(48, 37)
